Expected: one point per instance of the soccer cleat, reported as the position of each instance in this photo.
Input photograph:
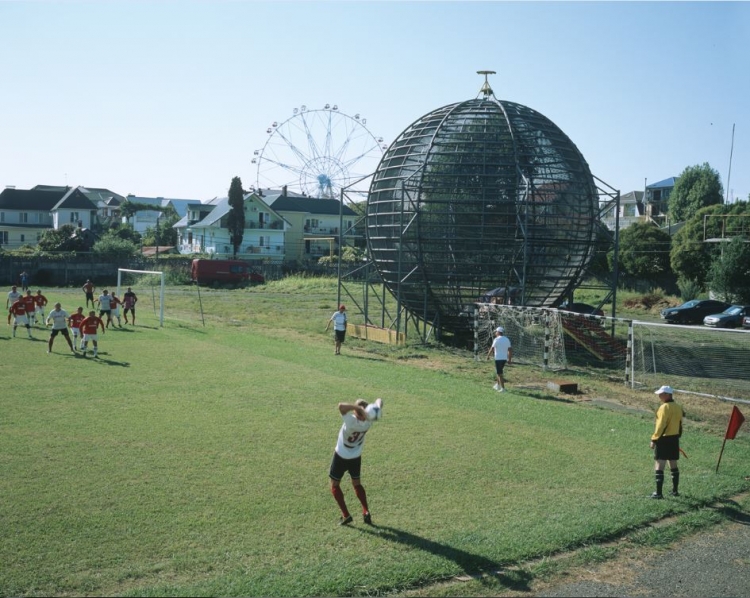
(496, 386)
(346, 520)
(657, 496)
(500, 390)
(367, 518)
(674, 493)
(48, 351)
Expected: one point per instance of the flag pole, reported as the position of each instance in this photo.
(720, 454)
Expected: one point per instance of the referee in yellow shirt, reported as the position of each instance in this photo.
(666, 440)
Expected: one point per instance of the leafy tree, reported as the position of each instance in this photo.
(644, 252)
(110, 246)
(236, 217)
(61, 239)
(126, 231)
(691, 255)
(349, 255)
(696, 188)
(730, 272)
(162, 233)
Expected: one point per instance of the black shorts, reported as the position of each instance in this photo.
(56, 331)
(339, 466)
(667, 448)
(129, 309)
(89, 296)
(105, 311)
(500, 366)
(340, 335)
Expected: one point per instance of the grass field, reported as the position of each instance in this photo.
(193, 460)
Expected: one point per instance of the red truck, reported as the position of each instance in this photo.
(211, 272)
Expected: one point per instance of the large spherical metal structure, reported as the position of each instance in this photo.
(478, 195)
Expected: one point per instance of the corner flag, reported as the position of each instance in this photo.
(735, 421)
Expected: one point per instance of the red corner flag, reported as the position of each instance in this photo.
(735, 421)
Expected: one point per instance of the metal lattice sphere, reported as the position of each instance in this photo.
(478, 195)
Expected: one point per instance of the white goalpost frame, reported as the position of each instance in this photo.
(161, 290)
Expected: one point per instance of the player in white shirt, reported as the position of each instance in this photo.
(105, 306)
(503, 354)
(339, 327)
(13, 296)
(59, 319)
(358, 418)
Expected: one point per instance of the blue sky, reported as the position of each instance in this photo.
(172, 98)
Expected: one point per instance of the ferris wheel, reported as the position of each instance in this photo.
(318, 152)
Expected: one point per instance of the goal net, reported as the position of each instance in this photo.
(693, 359)
(535, 333)
(145, 284)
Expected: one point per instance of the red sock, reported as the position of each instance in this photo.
(339, 496)
(362, 496)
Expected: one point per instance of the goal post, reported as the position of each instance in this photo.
(120, 272)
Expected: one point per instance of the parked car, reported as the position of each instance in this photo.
(729, 318)
(223, 271)
(693, 312)
(581, 308)
(746, 322)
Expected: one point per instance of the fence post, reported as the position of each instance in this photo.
(629, 359)
(546, 340)
(476, 332)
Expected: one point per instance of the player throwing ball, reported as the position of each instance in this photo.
(358, 418)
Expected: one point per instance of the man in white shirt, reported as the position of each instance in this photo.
(59, 319)
(358, 418)
(13, 296)
(105, 306)
(503, 354)
(339, 327)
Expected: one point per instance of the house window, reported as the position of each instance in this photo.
(23, 238)
(262, 242)
(2, 216)
(23, 217)
(3, 237)
(74, 217)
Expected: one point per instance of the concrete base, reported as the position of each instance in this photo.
(570, 388)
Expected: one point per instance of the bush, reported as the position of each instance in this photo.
(689, 288)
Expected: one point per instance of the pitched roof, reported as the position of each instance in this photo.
(309, 205)
(75, 199)
(95, 194)
(665, 183)
(29, 199)
(180, 205)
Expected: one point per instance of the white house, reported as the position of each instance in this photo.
(145, 219)
(204, 230)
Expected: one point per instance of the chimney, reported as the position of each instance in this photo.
(283, 191)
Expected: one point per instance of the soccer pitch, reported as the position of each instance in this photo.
(193, 460)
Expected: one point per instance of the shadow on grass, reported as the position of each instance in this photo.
(733, 511)
(541, 397)
(362, 357)
(478, 567)
(104, 361)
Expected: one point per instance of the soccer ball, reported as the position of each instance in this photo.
(373, 412)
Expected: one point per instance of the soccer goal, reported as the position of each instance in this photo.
(536, 333)
(150, 278)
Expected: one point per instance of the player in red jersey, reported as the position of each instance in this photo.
(75, 325)
(30, 303)
(89, 329)
(115, 303)
(41, 301)
(18, 311)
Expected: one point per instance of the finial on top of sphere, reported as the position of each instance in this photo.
(486, 89)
